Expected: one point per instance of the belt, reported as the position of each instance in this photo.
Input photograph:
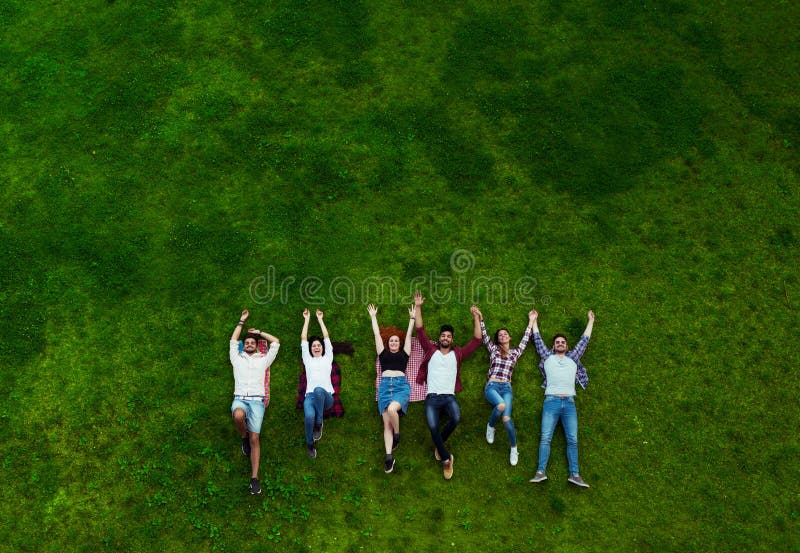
(248, 398)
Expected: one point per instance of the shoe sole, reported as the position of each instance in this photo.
(536, 481)
(584, 485)
(390, 468)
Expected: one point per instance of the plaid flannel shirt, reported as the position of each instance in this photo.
(501, 368)
(575, 354)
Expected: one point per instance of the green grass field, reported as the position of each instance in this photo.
(165, 164)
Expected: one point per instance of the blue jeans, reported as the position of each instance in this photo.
(497, 393)
(435, 404)
(314, 405)
(556, 408)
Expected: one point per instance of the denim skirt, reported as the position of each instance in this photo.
(393, 388)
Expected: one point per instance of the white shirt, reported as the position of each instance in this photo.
(318, 369)
(249, 370)
(442, 371)
(560, 371)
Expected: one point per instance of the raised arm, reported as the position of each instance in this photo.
(533, 320)
(477, 317)
(376, 331)
(589, 325)
(418, 301)
(411, 316)
(268, 337)
(238, 330)
(304, 332)
(320, 314)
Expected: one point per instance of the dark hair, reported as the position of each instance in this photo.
(496, 332)
(560, 336)
(252, 335)
(446, 328)
(316, 339)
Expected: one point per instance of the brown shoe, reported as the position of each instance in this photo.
(447, 468)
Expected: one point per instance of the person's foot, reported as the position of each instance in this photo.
(538, 477)
(513, 457)
(577, 480)
(489, 434)
(389, 465)
(447, 468)
(255, 489)
(311, 450)
(396, 441)
(317, 434)
(246, 445)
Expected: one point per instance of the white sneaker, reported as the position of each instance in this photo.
(489, 434)
(514, 457)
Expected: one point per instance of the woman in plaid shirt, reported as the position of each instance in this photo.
(502, 360)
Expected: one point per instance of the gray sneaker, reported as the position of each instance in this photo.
(312, 451)
(577, 480)
(317, 434)
(538, 477)
(489, 434)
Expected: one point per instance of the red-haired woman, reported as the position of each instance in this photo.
(394, 390)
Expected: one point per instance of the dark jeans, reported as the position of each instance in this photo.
(435, 405)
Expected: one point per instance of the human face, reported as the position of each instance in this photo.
(316, 348)
(446, 339)
(503, 337)
(394, 344)
(250, 346)
(560, 345)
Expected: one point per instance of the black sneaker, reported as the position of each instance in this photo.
(255, 489)
(312, 451)
(389, 465)
(317, 434)
(395, 441)
(246, 445)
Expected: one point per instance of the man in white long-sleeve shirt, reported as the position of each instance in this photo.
(250, 395)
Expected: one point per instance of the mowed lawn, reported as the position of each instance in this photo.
(164, 165)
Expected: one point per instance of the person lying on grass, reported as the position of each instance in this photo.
(441, 370)
(502, 360)
(561, 367)
(318, 360)
(394, 390)
(250, 395)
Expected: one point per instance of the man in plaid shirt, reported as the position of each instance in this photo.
(561, 368)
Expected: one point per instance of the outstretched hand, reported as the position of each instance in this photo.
(476, 312)
(418, 299)
(306, 313)
(591, 315)
(372, 310)
(319, 314)
(412, 312)
(245, 314)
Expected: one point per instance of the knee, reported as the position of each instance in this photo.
(501, 406)
(393, 408)
(239, 415)
(506, 418)
(253, 439)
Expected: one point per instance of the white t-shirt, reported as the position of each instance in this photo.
(318, 369)
(442, 370)
(560, 371)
